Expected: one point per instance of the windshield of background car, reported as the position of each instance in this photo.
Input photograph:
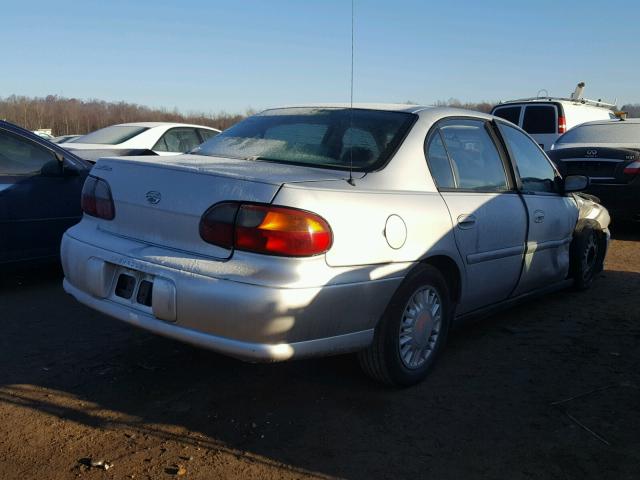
(317, 137)
(617, 132)
(111, 135)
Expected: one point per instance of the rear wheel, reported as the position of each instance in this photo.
(412, 331)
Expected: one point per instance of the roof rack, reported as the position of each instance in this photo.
(576, 97)
(585, 101)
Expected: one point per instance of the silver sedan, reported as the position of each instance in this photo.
(325, 229)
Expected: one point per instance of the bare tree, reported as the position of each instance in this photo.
(66, 116)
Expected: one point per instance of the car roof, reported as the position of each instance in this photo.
(162, 124)
(395, 107)
(634, 121)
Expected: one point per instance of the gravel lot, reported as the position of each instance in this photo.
(76, 386)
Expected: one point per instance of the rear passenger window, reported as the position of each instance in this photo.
(207, 134)
(177, 140)
(439, 162)
(511, 114)
(475, 160)
(539, 119)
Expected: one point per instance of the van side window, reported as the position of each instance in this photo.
(539, 119)
(510, 114)
(475, 160)
(534, 168)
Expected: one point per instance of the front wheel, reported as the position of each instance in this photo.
(412, 331)
(586, 256)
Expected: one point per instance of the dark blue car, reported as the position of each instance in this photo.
(40, 186)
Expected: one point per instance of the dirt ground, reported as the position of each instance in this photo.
(76, 387)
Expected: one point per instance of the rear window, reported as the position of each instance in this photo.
(615, 132)
(318, 137)
(111, 135)
(539, 119)
(511, 114)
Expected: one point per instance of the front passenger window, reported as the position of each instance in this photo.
(535, 170)
(21, 157)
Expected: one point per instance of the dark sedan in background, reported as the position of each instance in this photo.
(40, 186)
(608, 152)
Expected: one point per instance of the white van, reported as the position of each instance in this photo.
(546, 118)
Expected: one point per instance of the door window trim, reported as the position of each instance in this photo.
(502, 153)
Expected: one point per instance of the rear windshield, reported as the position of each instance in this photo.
(111, 135)
(616, 132)
(318, 137)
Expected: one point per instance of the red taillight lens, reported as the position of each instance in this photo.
(562, 125)
(633, 168)
(96, 199)
(217, 225)
(266, 229)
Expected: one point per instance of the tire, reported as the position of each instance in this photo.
(587, 252)
(385, 360)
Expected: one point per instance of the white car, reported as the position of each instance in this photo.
(316, 230)
(546, 118)
(161, 137)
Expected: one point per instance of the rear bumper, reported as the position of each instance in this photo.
(243, 320)
(622, 201)
(249, 351)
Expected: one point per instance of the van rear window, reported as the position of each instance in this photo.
(511, 114)
(539, 119)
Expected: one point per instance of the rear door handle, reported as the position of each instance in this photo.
(466, 221)
(538, 216)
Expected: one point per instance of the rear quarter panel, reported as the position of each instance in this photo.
(358, 218)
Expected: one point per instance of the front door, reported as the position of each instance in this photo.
(552, 215)
(35, 210)
(487, 214)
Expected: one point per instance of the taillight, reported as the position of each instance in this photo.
(96, 199)
(267, 229)
(633, 168)
(562, 125)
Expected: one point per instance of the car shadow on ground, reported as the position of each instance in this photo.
(486, 409)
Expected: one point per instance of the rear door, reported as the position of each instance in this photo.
(552, 216)
(541, 122)
(488, 216)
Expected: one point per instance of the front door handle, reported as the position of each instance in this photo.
(538, 216)
(466, 221)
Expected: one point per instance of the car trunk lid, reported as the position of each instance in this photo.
(160, 202)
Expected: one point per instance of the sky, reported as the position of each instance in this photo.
(211, 56)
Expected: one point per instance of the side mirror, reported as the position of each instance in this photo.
(58, 168)
(575, 183)
(53, 168)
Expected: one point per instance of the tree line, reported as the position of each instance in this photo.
(69, 116)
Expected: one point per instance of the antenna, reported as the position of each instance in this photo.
(351, 181)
